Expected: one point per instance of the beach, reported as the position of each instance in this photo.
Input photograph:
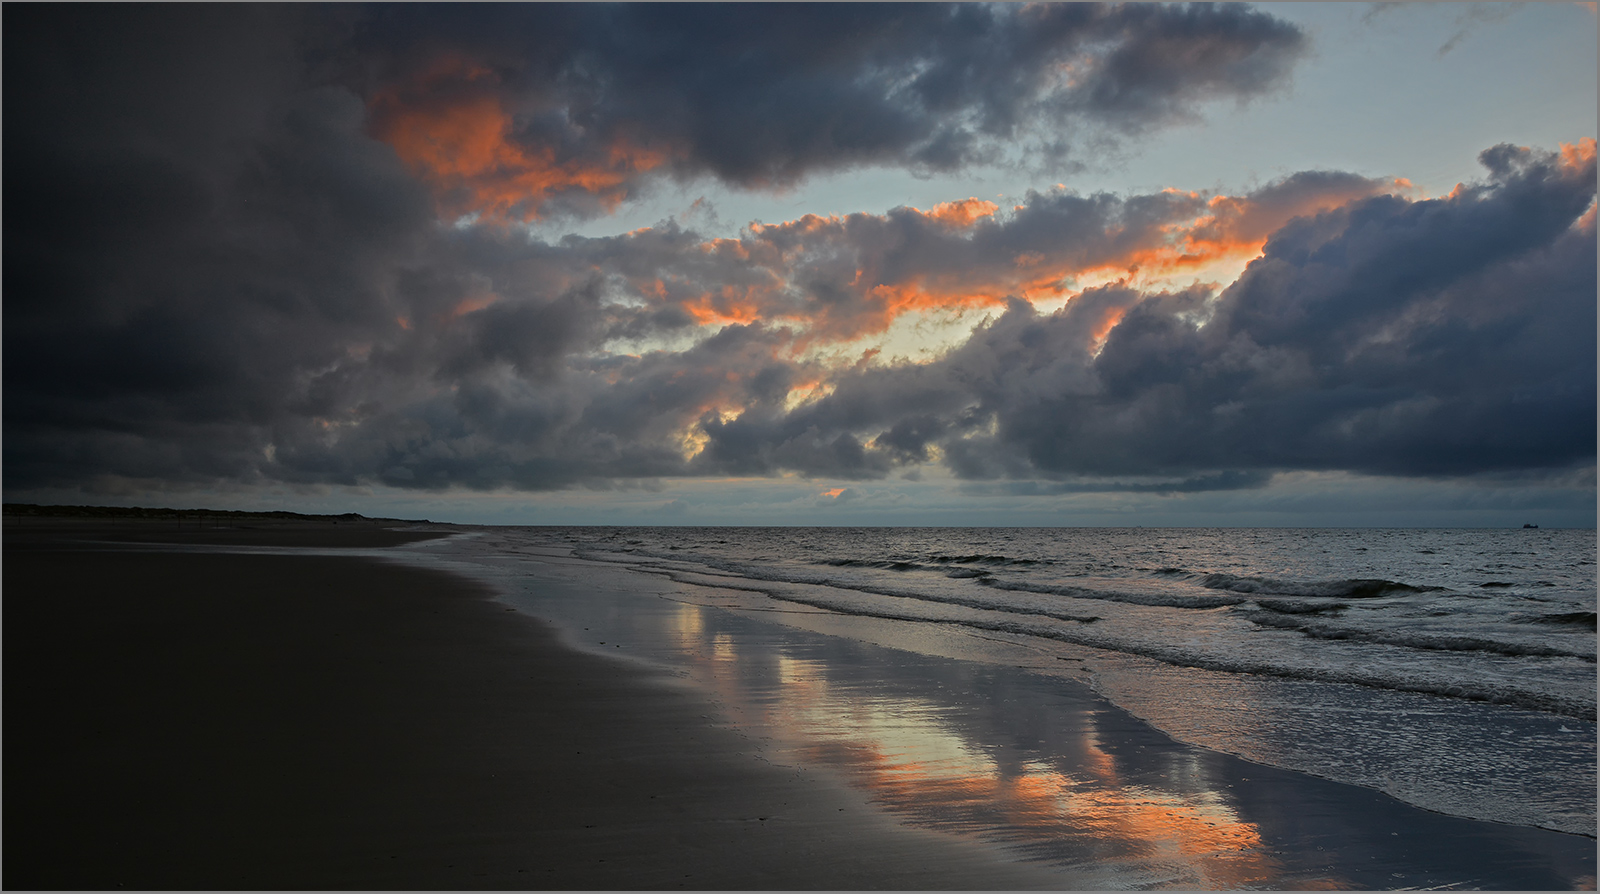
(360, 708)
(189, 720)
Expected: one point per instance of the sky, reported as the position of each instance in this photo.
(1293, 264)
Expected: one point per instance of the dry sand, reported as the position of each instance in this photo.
(273, 721)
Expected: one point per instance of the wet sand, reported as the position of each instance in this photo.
(1007, 749)
(193, 720)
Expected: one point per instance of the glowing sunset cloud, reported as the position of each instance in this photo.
(513, 243)
(450, 126)
(1576, 157)
(806, 391)
(842, 278)
(1238, 227)
(960, 214)
(1586, 222)
(475, 303)
(730, 304)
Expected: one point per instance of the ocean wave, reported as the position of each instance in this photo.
(1573, 619)
(985, 560)
(882, 564)
(775, 590)
(767, 575)
(1085, 635)
(966, 573)
(1349, 588)
(802, 575)
(1291, 603)
(1297, 607)
(1411, 640)
(1165, 600)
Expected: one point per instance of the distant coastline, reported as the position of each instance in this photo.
(109, 513)
(34, 510)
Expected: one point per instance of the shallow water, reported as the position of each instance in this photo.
(961, 732)
(1451, 668)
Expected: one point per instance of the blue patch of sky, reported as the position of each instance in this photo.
(1388, 90)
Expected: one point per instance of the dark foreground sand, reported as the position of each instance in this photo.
(183, 720)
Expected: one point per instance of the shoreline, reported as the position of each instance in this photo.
(948, 743)
(195, 720)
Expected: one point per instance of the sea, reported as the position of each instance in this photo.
(1451, 669)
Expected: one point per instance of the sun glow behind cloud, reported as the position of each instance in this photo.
(451, 127)
(903, 310)
(844, 294)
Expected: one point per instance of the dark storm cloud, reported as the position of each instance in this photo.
(216, 275)
(1444, 337)
(207, 259)
(765, 94)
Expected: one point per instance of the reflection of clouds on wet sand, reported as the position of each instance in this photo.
(1075, 804)
(917, 768)
(982, 740)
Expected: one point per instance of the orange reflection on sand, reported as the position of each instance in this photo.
(1154, 819)
(1110, 819)
(688, 626)
(913, 763)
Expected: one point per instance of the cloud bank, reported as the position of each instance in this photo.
(273, 245)
(524, 111)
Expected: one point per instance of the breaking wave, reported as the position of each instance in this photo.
(1429, 642)
(1357, 588)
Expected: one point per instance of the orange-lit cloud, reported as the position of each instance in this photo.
(729, 304)
(1586, 222)
(452, 129)
(1109, 318)
(961, 213)
(1575, 157)
(839, 278)
(475, 303)
(1240, 225)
